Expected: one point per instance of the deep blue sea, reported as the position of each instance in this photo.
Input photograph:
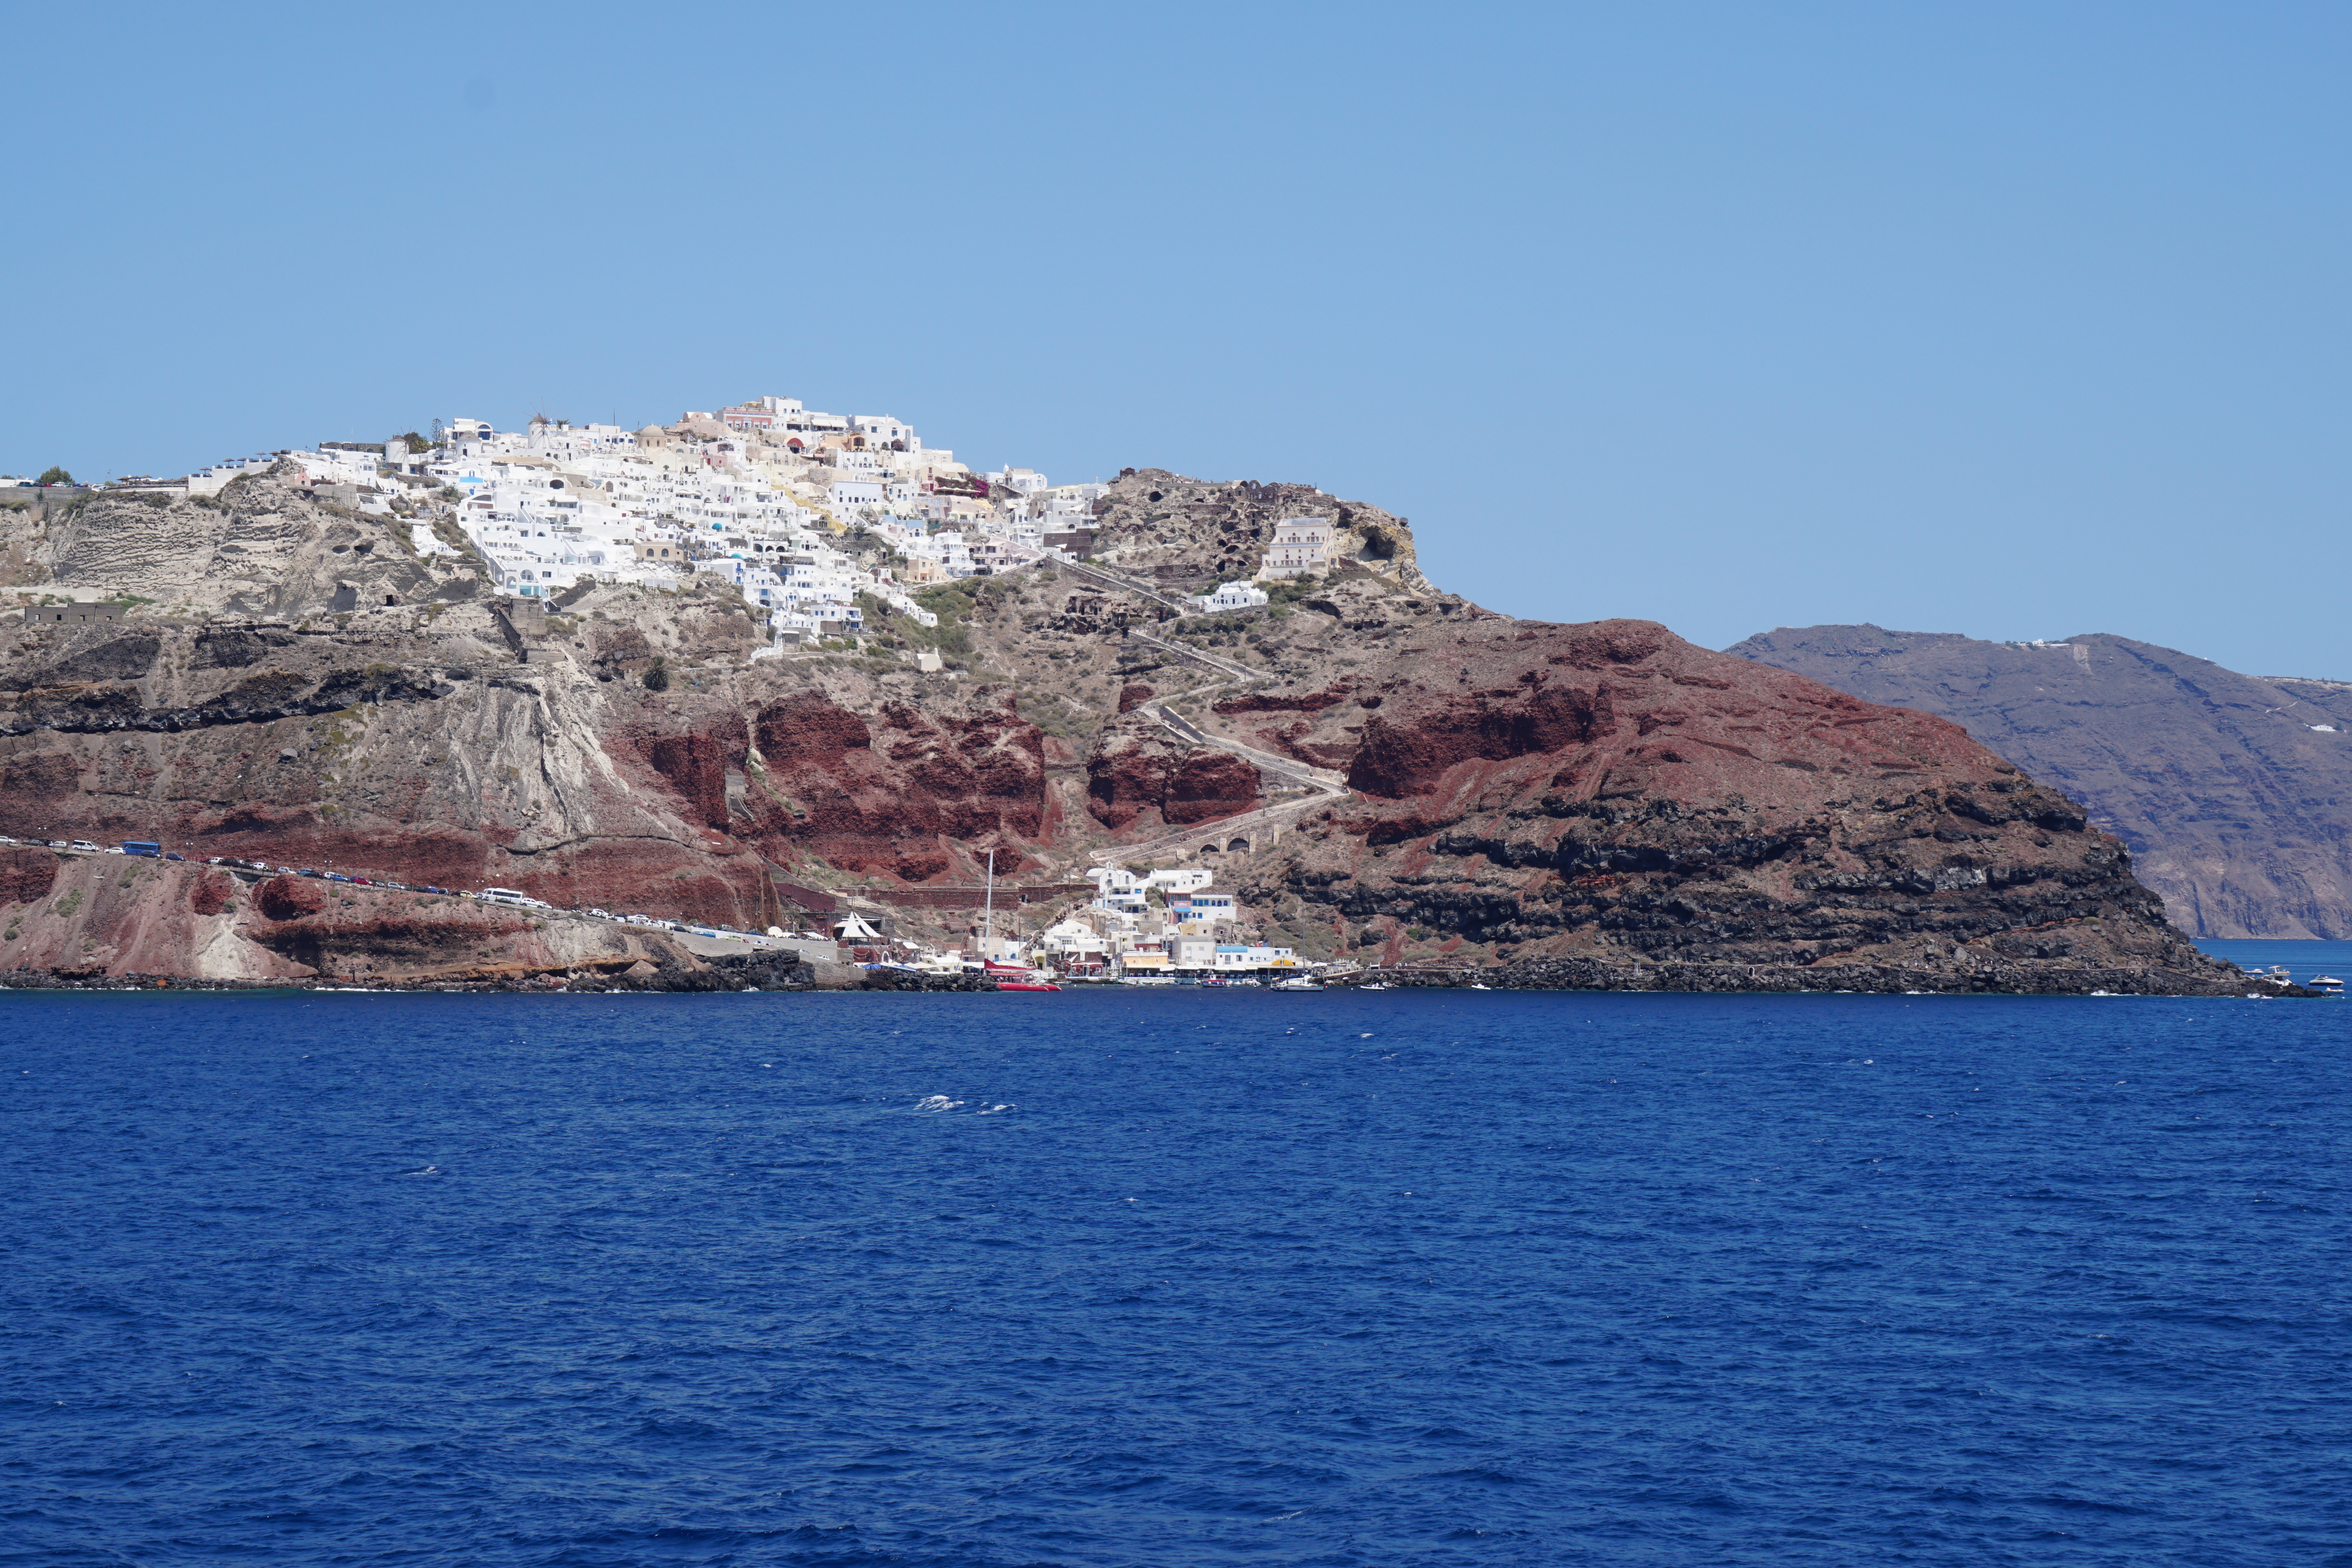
(1174, 1279)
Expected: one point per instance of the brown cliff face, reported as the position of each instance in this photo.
(1542, 795)
(897, 795)
(1611, 790)
(1136, 768)
(113, 915)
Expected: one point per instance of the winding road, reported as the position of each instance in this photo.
(1326, 784)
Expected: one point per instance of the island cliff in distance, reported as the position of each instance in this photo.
(2234, 793)
(762, 665)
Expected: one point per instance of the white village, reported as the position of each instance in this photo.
(761, 496)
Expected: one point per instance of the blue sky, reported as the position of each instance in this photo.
(2016, 321)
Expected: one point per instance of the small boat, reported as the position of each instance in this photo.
(1476, 987)
(1374, 986)
(1296, 983)
(2325, 985)
(1026, 985)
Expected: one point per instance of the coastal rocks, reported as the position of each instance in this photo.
(112, 916)
(108, 914)
(1574, 974)
(1610, 793)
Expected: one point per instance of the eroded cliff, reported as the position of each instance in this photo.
(1384, 770)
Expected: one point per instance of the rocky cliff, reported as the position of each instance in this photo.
(1612, 796)
(2234, 793)
(1384, 770)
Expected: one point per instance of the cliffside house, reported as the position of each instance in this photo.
(1229, 596)
(1301, 546)
(81, 612)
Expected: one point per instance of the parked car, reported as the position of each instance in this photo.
(174, 855)
(82, 844)
(306, 870)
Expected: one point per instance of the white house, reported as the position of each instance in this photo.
(1302, 546)
(1229, 596)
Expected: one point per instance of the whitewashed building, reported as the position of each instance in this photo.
(1301, 546)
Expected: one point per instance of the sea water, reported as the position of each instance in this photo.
(2301, 959)
(1172, 1279)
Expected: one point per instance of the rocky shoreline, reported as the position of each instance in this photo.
(1880, 979)
(758, 973)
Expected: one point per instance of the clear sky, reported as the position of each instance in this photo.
(2012, 319)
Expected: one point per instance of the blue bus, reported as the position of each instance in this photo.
(153, 851)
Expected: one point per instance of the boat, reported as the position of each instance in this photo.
(1373, 985)
(1026, 985)
(2325, 985)
(1476, 987)
(1296, 983)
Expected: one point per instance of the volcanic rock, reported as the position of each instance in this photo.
(1396, 775)
(2234, 793)
(1612, 792)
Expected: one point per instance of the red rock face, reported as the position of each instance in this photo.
(695, 765)
(211, 893)
(1612, 789)
(1134, 695)
(1135, 768)
(290, 898)
(27, 875)
(1409, 754)
(897, 795)
(1207, 785)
